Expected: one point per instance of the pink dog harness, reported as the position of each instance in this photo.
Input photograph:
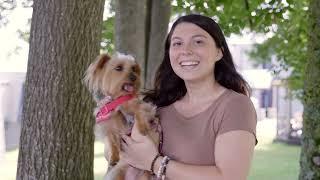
(106, 110)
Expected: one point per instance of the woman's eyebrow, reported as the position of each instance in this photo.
(176, 37)
(194, 36)
(199, 35)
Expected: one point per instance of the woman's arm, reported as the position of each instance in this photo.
(234, 151)
(233, 154)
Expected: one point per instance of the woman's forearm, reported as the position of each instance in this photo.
(176, 170)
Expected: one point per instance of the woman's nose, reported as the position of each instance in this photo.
(187, 49)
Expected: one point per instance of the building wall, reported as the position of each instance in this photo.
(11, 96)
(264, 92)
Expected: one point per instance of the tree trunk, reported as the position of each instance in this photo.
(310, 152)
(160, 15)
(141, 27)
(130, 29)
(57, 126)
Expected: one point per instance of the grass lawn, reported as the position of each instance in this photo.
(272, 161)
(275, 162)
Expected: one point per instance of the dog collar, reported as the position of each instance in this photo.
(104, 112)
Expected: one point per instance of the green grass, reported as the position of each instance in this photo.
(275, 161)
(272, 161)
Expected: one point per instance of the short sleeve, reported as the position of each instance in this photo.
(238, 114)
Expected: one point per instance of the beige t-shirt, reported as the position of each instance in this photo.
(192, 140)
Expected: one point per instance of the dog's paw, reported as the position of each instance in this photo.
(129, 107)
(148, 113)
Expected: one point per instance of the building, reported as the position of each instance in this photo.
(270, 94)
(11, 96)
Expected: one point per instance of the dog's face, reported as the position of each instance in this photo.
(114, 76)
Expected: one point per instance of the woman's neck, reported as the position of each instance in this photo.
(202, 91)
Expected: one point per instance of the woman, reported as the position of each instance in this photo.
(207, 118)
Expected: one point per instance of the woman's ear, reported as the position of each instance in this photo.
(219, 54)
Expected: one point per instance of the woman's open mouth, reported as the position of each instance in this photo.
(189, 64)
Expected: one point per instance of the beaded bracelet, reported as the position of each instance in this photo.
(153, 162)
(165, 169)
(162, 169)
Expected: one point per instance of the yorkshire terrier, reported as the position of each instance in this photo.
(114, 82)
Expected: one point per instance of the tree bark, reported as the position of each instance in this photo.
(160, 15)
(57, 126)
(130, 29)
(140, 29)
(310, 152)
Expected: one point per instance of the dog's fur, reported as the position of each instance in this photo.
(117, 76)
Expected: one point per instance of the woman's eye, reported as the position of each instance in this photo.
(176, 43)
(119, 68)
(199, 42)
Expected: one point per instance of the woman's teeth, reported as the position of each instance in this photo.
(189, 63)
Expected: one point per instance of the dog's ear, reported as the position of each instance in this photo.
(101, 61)
(137, 68)
(93, 73)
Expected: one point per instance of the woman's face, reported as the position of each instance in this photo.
(193, 52)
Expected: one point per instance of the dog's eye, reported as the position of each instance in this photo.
(119, 68)
(134, 69)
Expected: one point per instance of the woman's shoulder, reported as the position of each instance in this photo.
(233, 101)
(235, 97)
(238, 114)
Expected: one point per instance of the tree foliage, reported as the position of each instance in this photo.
(234, 16)
(107, 41)
(6, 6)
(289, 44)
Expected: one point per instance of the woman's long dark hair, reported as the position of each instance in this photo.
(168, 87)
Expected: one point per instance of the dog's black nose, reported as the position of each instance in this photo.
(132, 77)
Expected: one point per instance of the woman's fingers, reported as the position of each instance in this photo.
(123, 155)
(136, 134)
(127, 139)
(123, 145)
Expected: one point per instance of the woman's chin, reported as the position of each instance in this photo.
(191, 79)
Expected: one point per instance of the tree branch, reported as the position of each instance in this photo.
(246, 2)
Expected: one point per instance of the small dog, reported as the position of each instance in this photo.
(115, 83)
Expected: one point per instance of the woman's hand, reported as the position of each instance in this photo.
(138, 150)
